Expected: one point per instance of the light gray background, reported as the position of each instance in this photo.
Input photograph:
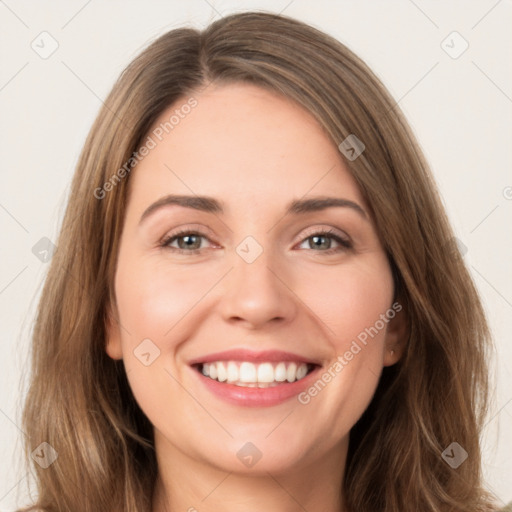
(460, 109)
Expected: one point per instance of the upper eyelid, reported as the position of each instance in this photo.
(201, 229)
(330, 230)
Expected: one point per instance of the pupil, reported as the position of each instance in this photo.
(188, 241)
(325, 245)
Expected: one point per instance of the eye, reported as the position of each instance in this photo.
(322, 241)
(189, 242)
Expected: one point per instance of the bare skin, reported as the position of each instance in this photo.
(306, 293)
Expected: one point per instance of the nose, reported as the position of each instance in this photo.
(257, 293)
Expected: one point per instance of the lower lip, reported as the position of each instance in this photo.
(257, 397)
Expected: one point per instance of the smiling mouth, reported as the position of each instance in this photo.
(255, 375)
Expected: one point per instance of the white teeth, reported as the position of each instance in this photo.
(301, 372)
(265, 373)
(249, 374)
(280, 372)
(222, 374)
(232, 372)
(291, 372)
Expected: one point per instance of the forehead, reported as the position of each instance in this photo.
(241, 141)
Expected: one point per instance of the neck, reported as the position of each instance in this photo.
(190, 485)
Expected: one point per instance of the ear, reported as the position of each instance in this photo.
(397, 334)
(113, 346)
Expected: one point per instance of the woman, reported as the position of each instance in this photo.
(255, 301)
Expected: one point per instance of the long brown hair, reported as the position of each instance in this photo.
(80, 401)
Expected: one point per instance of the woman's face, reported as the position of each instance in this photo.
(225, 260)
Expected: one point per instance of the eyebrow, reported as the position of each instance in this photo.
(212, 205)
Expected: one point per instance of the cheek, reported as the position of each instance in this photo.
(153, 301)
(154, 307)
(353, 303)
(351, 299)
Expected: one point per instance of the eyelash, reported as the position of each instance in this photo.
(345, 244)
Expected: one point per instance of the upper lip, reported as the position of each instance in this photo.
(240, 354)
